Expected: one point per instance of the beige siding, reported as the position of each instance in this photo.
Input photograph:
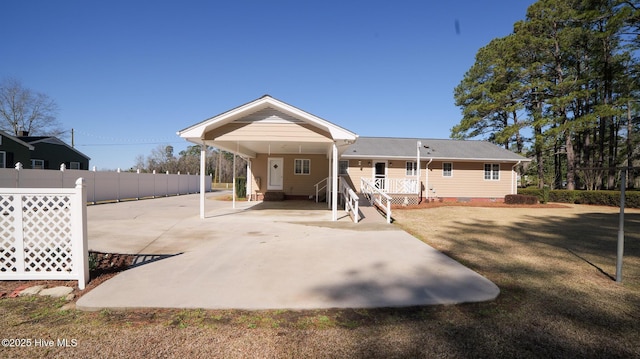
(296, 185)
(273, 131)
(356, 172)
(467, 180)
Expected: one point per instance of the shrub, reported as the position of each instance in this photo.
(241, 187)
(520, 199)
(601, 198)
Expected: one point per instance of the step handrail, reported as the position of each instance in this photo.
(319, 187)
(351, 200)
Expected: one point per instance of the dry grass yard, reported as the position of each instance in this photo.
(553, 266)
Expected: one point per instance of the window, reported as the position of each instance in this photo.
(343, 168)
(37, 164)
(3, 159)
(302, 167)
(492, 171)
(74, 165)
(412, 168)
(447, 169)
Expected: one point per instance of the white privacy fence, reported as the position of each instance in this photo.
(105, 185)
(43, 234)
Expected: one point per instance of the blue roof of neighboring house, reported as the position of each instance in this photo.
(441, 149)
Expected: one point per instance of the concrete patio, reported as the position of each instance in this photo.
(271, 255)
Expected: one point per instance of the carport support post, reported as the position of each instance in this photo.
(623, 185)
(203, 163)
(334, 183)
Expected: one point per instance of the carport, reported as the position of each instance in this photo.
(273, 135)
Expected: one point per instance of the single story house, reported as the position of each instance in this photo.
(14, 150)
(291, 153)
(39, 152)
(51, 152)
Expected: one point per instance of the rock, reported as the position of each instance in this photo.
(68, 306)
(31, 290)
(57, 292)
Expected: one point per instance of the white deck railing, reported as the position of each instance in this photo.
(43, 234)
(376, 196)
(351, 200)
(396, 185)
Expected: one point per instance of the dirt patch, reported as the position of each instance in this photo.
(102, 266)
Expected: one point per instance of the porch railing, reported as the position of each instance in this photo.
(351, 200)
(396, 185)
(376, 196)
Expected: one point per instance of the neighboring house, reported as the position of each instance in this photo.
(13, 150)
(290, 151)
(50, 152)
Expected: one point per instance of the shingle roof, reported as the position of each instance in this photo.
(389, 147)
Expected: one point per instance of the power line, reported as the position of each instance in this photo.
(128, 144)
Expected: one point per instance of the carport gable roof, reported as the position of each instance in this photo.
(439, 149)
(196, 133)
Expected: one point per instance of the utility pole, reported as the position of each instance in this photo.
(72, 139)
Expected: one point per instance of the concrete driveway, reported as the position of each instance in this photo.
(284, 255)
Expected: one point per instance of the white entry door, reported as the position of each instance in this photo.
(274, 180)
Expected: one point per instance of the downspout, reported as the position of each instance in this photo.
(426, 176)
(514, 179)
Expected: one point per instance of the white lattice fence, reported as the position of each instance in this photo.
(43, 234)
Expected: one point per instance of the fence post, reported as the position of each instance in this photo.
(166, 194)
(63, 167)
(79, 235)
(18, 167)
(94, 185)
(138, 193)
(118, 187)
(154, 183)
(620, 247)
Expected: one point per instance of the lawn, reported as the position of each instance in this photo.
(554, 267)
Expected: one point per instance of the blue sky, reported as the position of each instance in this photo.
(128, 74)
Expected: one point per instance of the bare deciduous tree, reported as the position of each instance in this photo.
(22, 109)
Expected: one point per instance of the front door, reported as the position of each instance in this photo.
(274, 176)
(380, 175)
